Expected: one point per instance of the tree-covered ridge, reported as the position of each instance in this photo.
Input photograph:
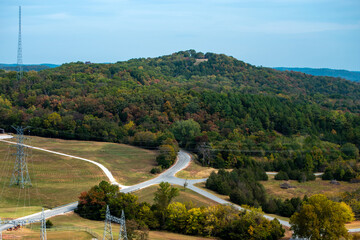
(149, 102)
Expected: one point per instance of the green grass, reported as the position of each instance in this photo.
(128, 164)
(58, 180)
(32, 234)
(187, 195)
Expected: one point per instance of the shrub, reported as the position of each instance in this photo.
(281, 176)
(156, 170)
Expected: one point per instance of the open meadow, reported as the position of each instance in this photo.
(128, 164)
(58, 180)
(185, 195)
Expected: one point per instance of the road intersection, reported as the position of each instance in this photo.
(183, 160)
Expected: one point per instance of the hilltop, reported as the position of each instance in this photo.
(222, 94)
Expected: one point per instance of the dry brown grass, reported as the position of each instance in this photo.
(157, 235)
(318, 186)
(147, 195)
(196, 171)
(352, 225)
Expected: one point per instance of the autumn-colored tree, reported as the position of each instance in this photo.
(321, 218)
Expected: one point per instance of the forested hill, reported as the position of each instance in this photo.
(226, 98)
(349, 75)
(27, 67)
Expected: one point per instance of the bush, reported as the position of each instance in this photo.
(49, 224)
(281, 176)
(156, 170)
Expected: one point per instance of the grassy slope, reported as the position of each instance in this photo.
(59, 180)
(56, 180)
(147, 195)
(74, 220)
(128, 164)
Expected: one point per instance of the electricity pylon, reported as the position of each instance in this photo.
(20, 175)
(43, 235)
(123, 234)
(107, 227)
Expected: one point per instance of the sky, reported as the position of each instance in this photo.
(271, 33)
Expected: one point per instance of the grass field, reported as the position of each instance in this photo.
(147, 195)
(318, 186)
(72, 220)
(195, 171)
(128, 164)
(58, 180)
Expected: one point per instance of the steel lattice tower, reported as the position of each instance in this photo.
(123, 234)
(20, 175)
(107, 227)
(43, 226)
(19, 53)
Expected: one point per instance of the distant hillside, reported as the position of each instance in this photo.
(349, 75)
(26, 68)
(227, 98)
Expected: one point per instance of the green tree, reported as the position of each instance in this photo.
(350, 151)
(309, 164)
(163, 197)
(321, 218)
(186, 131)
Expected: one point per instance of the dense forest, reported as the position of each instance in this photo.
(225, 110)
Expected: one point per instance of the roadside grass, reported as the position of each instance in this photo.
(309, 188)
(185, 195)
(201, 185)
(74, 220)
(32, 234)
(195, 171)
(128, 164)
(56, 180)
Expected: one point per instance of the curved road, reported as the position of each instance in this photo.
(183, 160)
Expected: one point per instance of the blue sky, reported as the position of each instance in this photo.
(292, 33)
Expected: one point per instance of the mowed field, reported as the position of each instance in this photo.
(309, 188)
(128, 164)
(185, 196)
(72, 220)
(58, 180)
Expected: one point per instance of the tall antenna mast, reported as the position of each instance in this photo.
(19, 53)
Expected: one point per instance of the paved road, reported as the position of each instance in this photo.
(182, 162)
